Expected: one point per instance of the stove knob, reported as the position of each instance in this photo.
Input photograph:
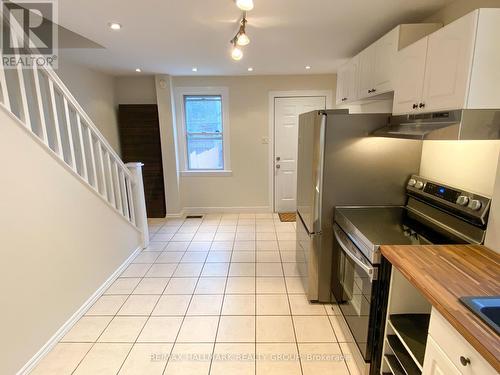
(463, 200)
(412, 182)
(475, 205)
(419, 185)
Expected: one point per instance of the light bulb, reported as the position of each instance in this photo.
(237, 53)
(243, 39)
(244, 4)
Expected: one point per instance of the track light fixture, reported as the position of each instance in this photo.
(240, 39)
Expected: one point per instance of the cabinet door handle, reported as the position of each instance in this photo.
(373, 90)
(344, 99)
(464, 361)
(415, 106)
(421, 105)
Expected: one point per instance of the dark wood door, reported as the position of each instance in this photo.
(140, 141)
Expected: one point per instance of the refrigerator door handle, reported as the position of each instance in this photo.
(319, 177)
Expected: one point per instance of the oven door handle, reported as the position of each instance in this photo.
(369, 270)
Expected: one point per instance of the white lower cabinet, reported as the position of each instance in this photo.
(447, 351)
(436, 362)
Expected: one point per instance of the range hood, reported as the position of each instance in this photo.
(467, 124)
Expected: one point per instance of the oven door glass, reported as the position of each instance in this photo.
(358, 287)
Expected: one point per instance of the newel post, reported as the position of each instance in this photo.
(141, 217)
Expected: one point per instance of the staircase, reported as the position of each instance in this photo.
(46, 109)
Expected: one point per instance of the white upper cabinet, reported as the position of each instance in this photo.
(460, 69)
(376, 65)
(449, 61)
(371, 72)
(347, 82)
(409, 80)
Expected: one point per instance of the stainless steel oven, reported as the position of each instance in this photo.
(358, 287)
(434, 214)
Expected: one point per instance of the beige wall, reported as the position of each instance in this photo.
(60, 242)
(249, 122)
(95, 92)
(459, 8)
(135, 90)
(470, 165)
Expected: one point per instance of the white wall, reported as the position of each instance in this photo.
(95, 92)
(60, 242)
(248, 187)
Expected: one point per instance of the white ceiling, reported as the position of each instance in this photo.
(172, 36)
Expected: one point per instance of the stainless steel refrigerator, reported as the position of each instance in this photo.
(340, 163)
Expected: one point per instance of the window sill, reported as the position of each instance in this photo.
(224, 173)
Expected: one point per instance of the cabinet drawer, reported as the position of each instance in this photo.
(454, 345)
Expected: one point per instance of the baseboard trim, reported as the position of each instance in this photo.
(211, 210)
(179, 215)
(30, 365)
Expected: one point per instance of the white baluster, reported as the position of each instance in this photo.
(82, 148)
(92, 158)
(130, 198)
(121, 179)
(110, 174)
(5, 90)
(24, 101)
(39, 100)
(141, 218)
(118, 192)
(57, 130)
(103, 171)
(70, 135)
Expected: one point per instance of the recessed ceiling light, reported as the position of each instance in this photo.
(138, 70)
(250, 69)
(308, 67)
(115, 26)
(194, 69)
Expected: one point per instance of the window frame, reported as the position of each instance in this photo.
(180, 93)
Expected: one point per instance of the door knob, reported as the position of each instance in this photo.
(278, 158)
(278, 166)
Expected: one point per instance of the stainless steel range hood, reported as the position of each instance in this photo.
(470, 124)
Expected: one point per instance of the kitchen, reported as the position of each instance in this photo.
(413, 302)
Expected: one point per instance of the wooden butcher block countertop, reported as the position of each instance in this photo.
(443, 274)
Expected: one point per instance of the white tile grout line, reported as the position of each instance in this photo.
(193, 293)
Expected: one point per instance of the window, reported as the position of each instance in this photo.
(203, 130)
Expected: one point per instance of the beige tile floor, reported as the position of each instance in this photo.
(219, 295)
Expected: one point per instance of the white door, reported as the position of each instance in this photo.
(410, 72)
(286, 124)
(448, 66)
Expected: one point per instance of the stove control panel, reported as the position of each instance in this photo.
(470, 204)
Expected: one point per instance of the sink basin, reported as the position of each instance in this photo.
(487, 308)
